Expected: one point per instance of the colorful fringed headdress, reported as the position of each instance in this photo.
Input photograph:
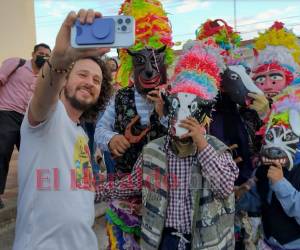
(284, 106)
(278, 35)
(222, 34)
(195, 84)
(278, 49)
(198, 70)
(153, 30)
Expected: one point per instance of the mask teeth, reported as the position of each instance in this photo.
(281, 161)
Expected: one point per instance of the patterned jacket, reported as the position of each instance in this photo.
(125, 111)
(212, 218)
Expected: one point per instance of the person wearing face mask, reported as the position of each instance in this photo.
(134, 116)
(275, 65)
(274, 192)
(17, 84)
(186, 178)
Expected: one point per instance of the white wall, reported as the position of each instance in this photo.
(17, 26)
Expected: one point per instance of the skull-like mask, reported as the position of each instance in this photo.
(281, 145)
(184, 105)
(281, 142)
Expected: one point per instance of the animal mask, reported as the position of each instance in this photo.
(282, 131)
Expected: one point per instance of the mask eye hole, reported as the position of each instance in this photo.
(234, 76)
(175, 103)
(193, 107)
(260, 80)
(139, 59)
(288, 137)
(276, 77)
(269, 136)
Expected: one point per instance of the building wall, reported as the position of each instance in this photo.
(17, 27)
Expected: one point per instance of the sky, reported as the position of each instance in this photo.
(185, 16)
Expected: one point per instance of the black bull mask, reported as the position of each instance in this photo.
(150, 70)
(236, 83)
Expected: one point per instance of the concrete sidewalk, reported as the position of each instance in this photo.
(8, 213)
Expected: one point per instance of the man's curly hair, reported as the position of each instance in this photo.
(105, 93)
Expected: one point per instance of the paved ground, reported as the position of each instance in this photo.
(6, 239)
(7, 215)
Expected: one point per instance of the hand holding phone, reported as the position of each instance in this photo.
(112, 31)
(63, 53)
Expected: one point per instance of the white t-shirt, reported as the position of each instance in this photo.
(55, 204)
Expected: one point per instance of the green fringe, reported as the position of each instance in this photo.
(121, 224)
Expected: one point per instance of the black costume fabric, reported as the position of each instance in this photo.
(234, 125)
(125, 111)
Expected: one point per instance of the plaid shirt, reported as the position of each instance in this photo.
(219, 169)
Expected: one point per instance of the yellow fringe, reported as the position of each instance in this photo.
(281, 37)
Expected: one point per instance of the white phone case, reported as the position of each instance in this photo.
(123, 38)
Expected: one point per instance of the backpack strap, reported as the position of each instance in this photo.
(20, 64)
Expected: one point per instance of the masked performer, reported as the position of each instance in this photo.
(135, 115)
(186, 177)
(232, 122)
(276, 62)
(277, 191)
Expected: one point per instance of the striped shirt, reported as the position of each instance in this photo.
(105, 125)
(16, 91)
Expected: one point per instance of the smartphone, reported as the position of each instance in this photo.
(108, 31)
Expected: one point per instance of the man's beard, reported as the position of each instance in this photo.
(75, 103)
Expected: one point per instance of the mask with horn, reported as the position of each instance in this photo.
(149, 68)
(145, 62)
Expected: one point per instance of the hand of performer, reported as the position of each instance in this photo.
(260, 104)
(155, 97)
(275, 172)
(196, 131)
(118, 145)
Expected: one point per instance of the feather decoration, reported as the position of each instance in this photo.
(197, 71)
(153, 30)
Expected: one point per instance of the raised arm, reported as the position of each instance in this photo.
(286, 193)
(53, 74)
(288, 197)
(219, 169)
